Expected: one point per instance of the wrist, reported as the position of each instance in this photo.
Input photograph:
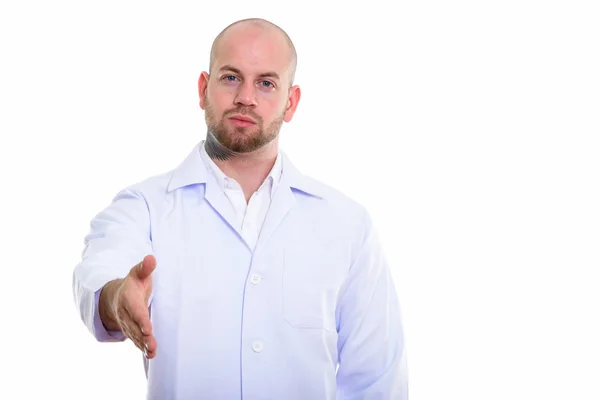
(106, 305)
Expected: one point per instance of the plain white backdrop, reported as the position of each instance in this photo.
(469, 129)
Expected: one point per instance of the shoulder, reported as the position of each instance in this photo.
(156, 187)
(333, 205)
(151, 189)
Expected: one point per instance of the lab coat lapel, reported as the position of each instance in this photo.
(193, 171)
(284, 198)
(218, 200)
(281, 203)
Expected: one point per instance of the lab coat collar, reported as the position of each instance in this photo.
(193, 171)
(225, 182)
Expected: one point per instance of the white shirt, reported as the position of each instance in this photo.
(309, 312)
(249, 216)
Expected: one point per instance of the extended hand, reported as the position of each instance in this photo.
(130, 306)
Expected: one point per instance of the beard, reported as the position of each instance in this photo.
(242, 139)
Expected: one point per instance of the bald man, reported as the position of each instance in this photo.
(237, 276)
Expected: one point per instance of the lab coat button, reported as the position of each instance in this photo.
(258, 346)
(255, 279)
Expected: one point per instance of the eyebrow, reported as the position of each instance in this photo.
(237, 71)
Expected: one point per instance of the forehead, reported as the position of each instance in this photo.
(253, 50)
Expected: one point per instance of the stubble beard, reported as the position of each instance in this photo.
(225, 143)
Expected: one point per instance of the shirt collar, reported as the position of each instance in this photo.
(193, 170)
(225, 182)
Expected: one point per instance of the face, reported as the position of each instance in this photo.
(248, 96)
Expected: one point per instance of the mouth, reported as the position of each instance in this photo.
(241, 120)
(241, 117)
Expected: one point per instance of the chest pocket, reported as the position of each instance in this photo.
(310, 290)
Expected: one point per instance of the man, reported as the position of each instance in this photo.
(255, 281)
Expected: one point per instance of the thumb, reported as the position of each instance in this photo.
(144, 269)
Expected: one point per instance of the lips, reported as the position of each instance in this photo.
(242, 118)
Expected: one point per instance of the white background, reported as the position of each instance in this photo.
(468, 128)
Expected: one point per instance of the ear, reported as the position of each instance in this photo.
(292, 103)
(202, 88)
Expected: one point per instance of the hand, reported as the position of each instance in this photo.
(129, 306)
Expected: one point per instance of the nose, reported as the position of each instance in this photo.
(246, 95)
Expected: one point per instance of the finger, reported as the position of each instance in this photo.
(151, 346)
(136, 334)
(144, 269)
(128, 327)
(138, 311)
(131, 336)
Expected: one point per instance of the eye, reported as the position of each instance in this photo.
(267, 84)
(229, 78)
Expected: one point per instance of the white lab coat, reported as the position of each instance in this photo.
(310, 313)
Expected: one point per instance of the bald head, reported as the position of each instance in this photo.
(254, 26)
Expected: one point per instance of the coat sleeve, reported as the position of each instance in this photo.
(119, 238)
(371, 349)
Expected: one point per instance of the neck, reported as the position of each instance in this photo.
(248, 169)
